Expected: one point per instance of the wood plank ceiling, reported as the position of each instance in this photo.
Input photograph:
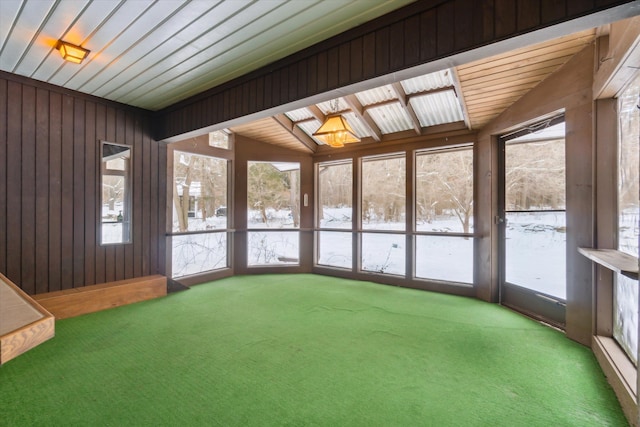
(151, 54)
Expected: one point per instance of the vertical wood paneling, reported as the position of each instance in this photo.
(446, 29)
(259, 98)
(110, 250)
(355, 66)
(79, 160)
(42, 192)
(412, 40)
(55, 190)
(428, 35)
(91, 197)
(552, 10)
(464, 24)
(321, 72)
(483, 28)
(333, 70)
(146, 205)
(120, 249)
(302, 79)
(14, 184)
(101, 135)
(50, 191)
(578, 7)
(28, 164)
(137, 195)
(275, 87)
(369, 55)
(505, 22)
(3, 173)
(382, 51)
(154, 206)
(128, 248)
(312, 75)
(396, 45)
(528, 14)
(66, 186)
(344, 65)
(285, 84)
(162, 212)
(253, 91)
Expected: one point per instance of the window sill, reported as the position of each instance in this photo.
(614, 260)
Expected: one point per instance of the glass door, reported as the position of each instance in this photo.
(533, 221)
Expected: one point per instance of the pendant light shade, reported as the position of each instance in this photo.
(335, 131)
(71, 52)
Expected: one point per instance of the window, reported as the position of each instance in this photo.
(625, 295)
(199, 220)
(115, 205)
(383, 201)
(273, 202)
(444, 215)
(220, 139)
(335, 212)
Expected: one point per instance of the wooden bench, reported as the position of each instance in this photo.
(24, 323)
(75, 302)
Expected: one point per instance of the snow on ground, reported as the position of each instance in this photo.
(535, 247)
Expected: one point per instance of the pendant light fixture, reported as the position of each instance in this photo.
(335, 131)
(70, 52)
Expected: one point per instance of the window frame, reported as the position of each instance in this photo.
(127, 209)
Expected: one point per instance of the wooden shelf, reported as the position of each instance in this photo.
(614, 260)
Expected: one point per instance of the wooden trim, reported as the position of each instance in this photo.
(77, 301)
(620, 373)
(16, 342)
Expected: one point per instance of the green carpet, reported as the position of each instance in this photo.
(301, 350)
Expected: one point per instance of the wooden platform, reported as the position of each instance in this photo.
(89, 299)
(23, 322)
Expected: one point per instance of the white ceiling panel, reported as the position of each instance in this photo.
(24, 32)
(390, 118)
(165, 49)
(376, 95)
(437, 108)
(299, 114)
(152, 53)
(428, 82)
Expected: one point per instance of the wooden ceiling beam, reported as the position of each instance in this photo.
(357, 108)
(296, 132)
(317, 113)
(407, 107)
(460, 95)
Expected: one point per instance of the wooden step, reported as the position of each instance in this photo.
(89, 299)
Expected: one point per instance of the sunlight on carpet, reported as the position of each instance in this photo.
(306, 350)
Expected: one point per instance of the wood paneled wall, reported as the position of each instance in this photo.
(417, 34)
(49, 188)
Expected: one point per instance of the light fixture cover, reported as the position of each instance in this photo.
(71, 52)
(335, 131)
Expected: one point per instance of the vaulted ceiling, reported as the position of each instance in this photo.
(151, 54)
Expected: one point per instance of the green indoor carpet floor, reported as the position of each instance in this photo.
(298, 350)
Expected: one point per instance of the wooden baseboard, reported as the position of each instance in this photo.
(620, 373)
(89, 299)
(22, 336)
